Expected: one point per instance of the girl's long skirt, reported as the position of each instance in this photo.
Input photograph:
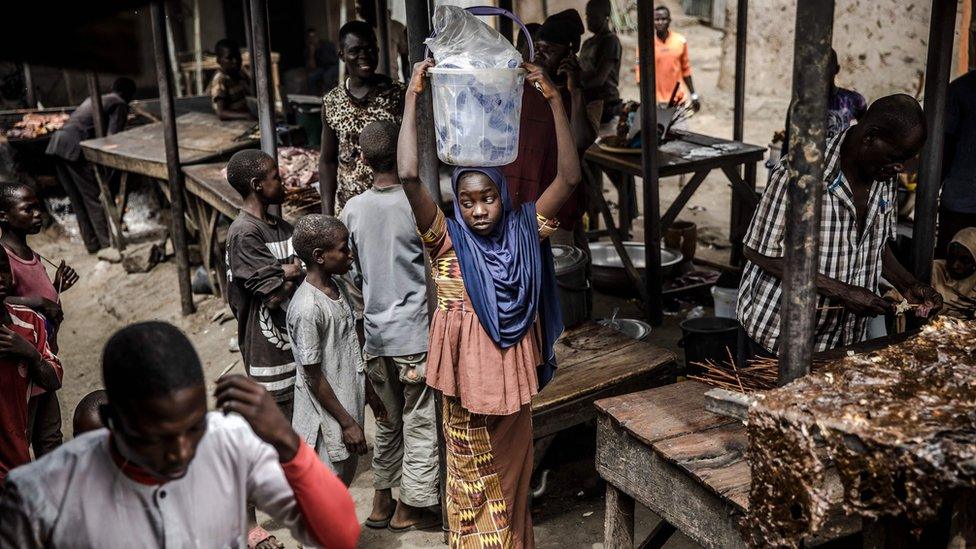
(489, 463)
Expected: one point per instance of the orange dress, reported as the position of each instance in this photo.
(463, 361)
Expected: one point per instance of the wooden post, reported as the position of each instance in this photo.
(175, 180)
(618, 522)
(29, 85)
(249, 39)
(104, 191)
(95, 95)
(649, 165)
(418, 28)
(741, 30)
(808, 136)
(261, 64)
(383, 39)
(197, 47)
(942, 26)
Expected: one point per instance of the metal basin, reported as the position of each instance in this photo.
(608, 272)
(632, 328)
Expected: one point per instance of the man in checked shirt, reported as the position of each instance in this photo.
(858, 222)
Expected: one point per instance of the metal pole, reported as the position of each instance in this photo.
(261, 64)
(741, 28)
(649, 165)
(941, 33)
(418, 28)
(29, 84)
(383, 36)
(808, 136)
(98, 115)
(504, 23)
(249, 39)
(197, 48)
(176, 184)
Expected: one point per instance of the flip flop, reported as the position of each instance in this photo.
(434, 521)
(382, 523)
(259, 535)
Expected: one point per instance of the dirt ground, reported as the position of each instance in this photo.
(570, 512)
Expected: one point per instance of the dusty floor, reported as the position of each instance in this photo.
(570, 513)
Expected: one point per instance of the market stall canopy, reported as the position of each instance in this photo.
(107, 35)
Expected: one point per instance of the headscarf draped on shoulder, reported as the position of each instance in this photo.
(509, 274)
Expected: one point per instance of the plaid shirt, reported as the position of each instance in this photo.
(843, 255)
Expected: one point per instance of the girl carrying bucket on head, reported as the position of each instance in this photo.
(497, 318)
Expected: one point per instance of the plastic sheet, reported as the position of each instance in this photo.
(463, 41)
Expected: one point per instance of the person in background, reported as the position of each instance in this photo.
(166, 472)
(955, 276)
(321, 62)
(231, 84)
(330, 389)
(389, 261)
(671, 63)
(88, 413)
(497, 318)
(363, 97)
(399, 51)
(522, 43)
(26, 361)
(957, 205)
(528, 177)
(844, 106)
(75, 174)
(600, 63)
(21, 215)
(859, 214)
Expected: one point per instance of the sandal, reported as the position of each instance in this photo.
(382, 523)
(260, 538)
(432, 521)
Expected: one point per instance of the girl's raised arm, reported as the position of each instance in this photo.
(567, 160)
(424, 207)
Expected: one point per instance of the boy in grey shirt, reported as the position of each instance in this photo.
(330, 391)
(390, 266)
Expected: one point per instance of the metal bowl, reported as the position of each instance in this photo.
(632, 328)
(608, 272)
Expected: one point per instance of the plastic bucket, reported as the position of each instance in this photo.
(477, 111)
(476, 115)
(708, 338)
(725, 301)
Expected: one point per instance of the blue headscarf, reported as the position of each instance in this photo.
(508, 274)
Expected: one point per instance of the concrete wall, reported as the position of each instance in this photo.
(881, 46)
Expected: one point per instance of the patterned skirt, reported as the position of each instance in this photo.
(489, 465)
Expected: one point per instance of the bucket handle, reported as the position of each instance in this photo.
(492, 10)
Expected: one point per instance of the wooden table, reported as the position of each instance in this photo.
(594, 362)
(662, 449)
(140, 150)
(690, 153)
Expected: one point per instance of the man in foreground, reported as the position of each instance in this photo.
(858, 221)
(165, 472)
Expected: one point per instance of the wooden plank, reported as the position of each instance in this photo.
(635, 469)
(731, 404)
(603, 370)
(587, 342)
(206, 182)
(662, 413)
(679, 202)
(714, 457)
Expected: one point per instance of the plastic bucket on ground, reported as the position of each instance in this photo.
(476, 115)
(725, 301)
(708, 338)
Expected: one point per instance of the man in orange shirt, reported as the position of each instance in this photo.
(671, 65)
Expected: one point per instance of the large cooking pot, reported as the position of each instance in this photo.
(607, 270)
(575, 294)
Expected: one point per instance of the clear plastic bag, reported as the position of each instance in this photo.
(463, 41)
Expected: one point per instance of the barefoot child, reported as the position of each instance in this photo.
(492, 334)
(330, 391)
(21, 215)
(390, 263)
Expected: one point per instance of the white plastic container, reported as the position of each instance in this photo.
(725, 301)
(476, 115)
